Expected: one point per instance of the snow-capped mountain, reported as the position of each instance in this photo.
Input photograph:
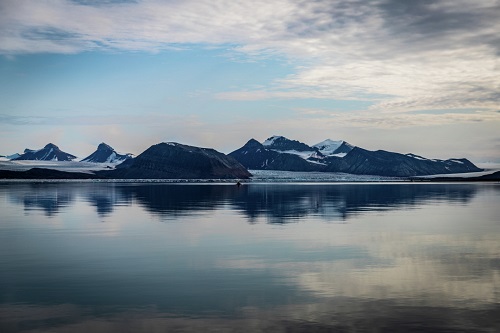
(106, 154)
(294, 147)
(254, 155)
(333, 148)
(50, 152)
(281, 143)
(280, 153)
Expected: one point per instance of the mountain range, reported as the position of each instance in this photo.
(280, 153)
(168, 160)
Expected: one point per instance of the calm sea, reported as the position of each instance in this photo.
(115, 257)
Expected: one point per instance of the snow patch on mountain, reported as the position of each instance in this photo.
(417, 157)
(338, 148)
(328, 146)
(106, 154)
(270, 141)
(304, 154)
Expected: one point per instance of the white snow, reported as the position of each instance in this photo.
(417, 157)
(303, 154)
(457, 161)
(111, 158)
(339, 154)
(328, 146)
(271, 140)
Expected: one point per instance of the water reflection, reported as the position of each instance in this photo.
(49, 198)
(277, 204)
(105, 198)
(414, 258)
(282, 204)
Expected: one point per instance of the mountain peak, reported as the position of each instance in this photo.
(334, 148)
(50, 145)
(271, 140)
(329, 142)
(252, 143)
(106, 154)
(277, 142)
(50, 152)
(104, 146)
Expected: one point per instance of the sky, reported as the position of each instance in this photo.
(399, 75)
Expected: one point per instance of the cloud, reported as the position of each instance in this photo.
(367, 119)
(402, 56)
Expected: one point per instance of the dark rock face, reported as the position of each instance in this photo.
(254, 155)
(383, 163)
(105, 154)
(177, 161)
(282, 144)
(48, 153)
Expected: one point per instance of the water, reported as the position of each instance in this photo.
(90, 257)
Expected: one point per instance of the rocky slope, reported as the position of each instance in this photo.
(279, 153)
(169, 160)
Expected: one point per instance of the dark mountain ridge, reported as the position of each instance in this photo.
(344, 158)
(50, 152)
(169, 160)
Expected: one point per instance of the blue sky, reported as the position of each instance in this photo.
(405, 76)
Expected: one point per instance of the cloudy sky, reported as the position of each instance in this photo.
(408, 76)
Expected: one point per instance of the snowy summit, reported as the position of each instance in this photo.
(50, 152)
(328, 146)
(106, 154)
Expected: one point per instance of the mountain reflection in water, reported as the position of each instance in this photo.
(125, 257)
(280, 203)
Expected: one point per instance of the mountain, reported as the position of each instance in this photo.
(333, 148)
(283, 144)
(170, 160)
(9, 157)
(48, 153)
(280, 153)
(106, 154)
(255, 155)
(384, 163)
(13, 156)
